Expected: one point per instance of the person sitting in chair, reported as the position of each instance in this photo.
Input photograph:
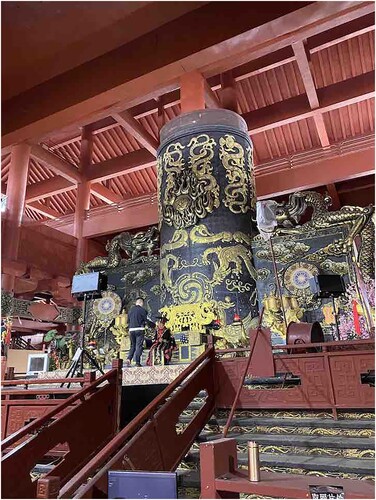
(163, 343)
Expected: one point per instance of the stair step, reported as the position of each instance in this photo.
(342, 414)
(310, 463)
(296, 440)
(313, 423)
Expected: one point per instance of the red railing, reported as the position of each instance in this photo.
(221, 478)
(85, 421)
(152, 440)
(329, 378)
(24, 400)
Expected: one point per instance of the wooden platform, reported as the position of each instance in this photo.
(146, 375)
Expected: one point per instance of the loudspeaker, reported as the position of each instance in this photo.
(88, 283)
(327, 285)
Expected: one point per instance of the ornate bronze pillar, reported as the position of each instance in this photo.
(206, 201)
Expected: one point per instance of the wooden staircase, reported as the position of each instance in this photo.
(294, 442)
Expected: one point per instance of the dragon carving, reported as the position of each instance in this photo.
(132, 245)
(113, 259)
(359, 220)
(230, 260)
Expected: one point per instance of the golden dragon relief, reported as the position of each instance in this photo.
(230, 261)
(200, 234)
(233, 160)
(191, 191)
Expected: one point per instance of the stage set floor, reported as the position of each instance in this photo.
(145, 375)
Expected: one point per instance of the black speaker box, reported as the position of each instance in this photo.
(327, 285)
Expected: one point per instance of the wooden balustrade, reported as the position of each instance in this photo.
(221, 478)
(329, 378)
(152, 440)
(85, 422)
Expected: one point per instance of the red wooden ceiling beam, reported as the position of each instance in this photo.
(211, 98)
(131, 162)
(310, 88)
(133, 127)
(13, 267)
(105, 194)
(297, 108)
(56, 164)
(26, 324)
(50, 187)
(252, 33)
(192, 92)
(321, 173)
(341, 33)
(332, 97)
(44, 210)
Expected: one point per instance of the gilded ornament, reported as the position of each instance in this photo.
(359, 221)
(335, 267)
(166, 269)
(251, 177)
(243, 238)
(192, 317)
(263, 274)
(178, 240)
(201, 234)
(191, 191)
(120, 328)
(107, 307)
(159, 190)
(297, 277)
(192, 288)
(133, 245)
(230, 261)
(284, 251)
(237, 191)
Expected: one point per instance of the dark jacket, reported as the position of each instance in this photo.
(138, 317)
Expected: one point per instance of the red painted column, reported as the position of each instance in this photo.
(12, 217)
(228, 92)
(192, 92)
(83, 194)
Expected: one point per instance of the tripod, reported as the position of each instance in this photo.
(78, 358)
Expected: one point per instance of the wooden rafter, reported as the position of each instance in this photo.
(131, 162)
(341, 33)
(310, 175)
(105, 194)
(310, 88)
(44, 210)
(296, 108)
(211, 99)
(334, 96)
(133, 127)
(56, 164)
(360, 22)
(227, 46)
(50, 187)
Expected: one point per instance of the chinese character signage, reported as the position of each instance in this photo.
(326, 492)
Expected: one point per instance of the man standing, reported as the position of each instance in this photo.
(137, 319)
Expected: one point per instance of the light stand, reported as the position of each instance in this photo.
(84, 286)
(78, 358)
